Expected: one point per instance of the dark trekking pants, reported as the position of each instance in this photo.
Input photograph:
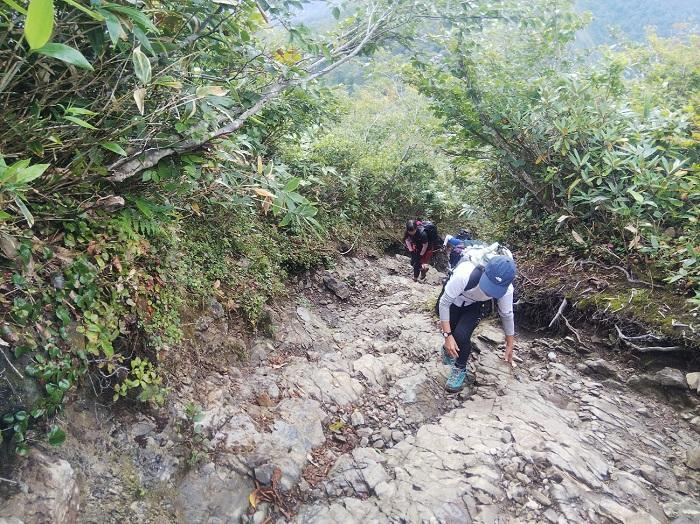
(463, 321)
(415, 263)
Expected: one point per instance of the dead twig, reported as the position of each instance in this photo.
(648, 336)
(10, 481)
(3, 343)
(578, 337)
(562, 306)
(629, 276)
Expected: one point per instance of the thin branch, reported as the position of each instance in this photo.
(10, 363)
(559, 312)
(9, 481)
(566, 321)
(627, 273)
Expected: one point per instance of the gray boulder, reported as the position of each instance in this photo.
(341, 289)
(51, 493)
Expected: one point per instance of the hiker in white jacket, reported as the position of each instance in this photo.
(461, 308)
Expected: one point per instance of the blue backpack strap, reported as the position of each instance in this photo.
(474, 278)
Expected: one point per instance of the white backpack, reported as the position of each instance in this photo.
(479, 255)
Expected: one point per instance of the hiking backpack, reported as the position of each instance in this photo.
(479, 253)
(432, 232)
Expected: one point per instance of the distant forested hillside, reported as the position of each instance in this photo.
(633, 17)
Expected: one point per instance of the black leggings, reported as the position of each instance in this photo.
(463, 321)
(415, 263)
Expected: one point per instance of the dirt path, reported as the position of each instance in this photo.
(344, 413)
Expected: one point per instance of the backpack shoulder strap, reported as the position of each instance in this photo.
(474, 278)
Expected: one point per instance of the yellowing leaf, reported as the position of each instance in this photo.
(287, 56)
(578, 238)
(336, 426)
(260, 165)
(39, 24)
(211, 91)
(540, 159)
(140, 97)
(263, 192)
(631, 229)
(253, 498)
(195, 208)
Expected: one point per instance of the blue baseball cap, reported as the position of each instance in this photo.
(454, 242)
(498, 275)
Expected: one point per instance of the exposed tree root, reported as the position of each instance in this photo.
(645, 349)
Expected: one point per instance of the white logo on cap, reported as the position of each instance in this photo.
(499, 279)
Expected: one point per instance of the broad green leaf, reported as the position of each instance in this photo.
(142, 66)
(143, 40)
(135, 15)
(89, 12)
(79, 121)
(39, 24)
(293, 184)
(114, 26)
(336, 12)
(140, 97)
(65, 54)
(637, 196)
(56, 436)
(63, 315)
(4, 216)
(114, 148)
(211, 91)
(30, 173)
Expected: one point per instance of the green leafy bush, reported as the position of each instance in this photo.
(603, 154)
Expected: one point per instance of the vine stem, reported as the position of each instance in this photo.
(3, 343)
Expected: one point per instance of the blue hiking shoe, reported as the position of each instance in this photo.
(458, 379)
(447, 359)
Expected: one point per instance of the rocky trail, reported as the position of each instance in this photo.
(342, 417)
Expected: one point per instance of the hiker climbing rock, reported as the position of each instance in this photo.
(421, 239)
(483, 273)
(454, 246)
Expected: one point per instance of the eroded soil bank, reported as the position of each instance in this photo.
(341, 417)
